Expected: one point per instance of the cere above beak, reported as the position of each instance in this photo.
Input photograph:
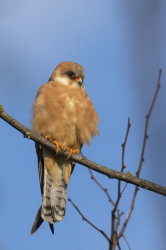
(79, 81)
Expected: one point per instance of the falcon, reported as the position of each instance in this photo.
(64, 114)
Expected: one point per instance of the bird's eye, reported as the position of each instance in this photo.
(71, 75)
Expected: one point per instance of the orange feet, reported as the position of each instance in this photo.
(71, 151)
(62, 147)
(58, 144)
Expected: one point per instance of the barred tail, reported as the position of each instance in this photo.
(54, 200)
(53, 205)
(54, 174)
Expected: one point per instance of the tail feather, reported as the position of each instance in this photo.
(53, 187)
(38, 221)
(53, 203)
(51, 228)
(54, 200)
(46, 211)
(58, 202)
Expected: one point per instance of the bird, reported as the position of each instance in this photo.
(64, 114)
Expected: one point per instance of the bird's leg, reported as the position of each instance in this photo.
(61, 146)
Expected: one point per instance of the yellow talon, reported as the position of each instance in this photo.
(72, 151)
(62, 147)
(58, 144)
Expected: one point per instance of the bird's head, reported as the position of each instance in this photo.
(69, 74)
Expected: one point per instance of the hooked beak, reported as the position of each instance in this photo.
(79, 81)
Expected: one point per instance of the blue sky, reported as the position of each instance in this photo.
(121, 45)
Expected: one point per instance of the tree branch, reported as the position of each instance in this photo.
(101, 187)
(142, 158)
(116, 215)
(90, 223)
(126, 177)
(126, 242)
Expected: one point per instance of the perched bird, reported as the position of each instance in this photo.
(63, 113)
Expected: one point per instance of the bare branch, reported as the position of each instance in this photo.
(118, 245)
(123, 163)
(126, 177)
(142, 159)
(142, 154)
(101, 187)
(119, 214)
(124, 145)
(129, 214)
(90, 223)
(124, 189)
(123, 158)
(115, 212)
(126, 242)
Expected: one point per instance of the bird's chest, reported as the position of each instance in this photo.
(66, 106)
(66, 115)
(69, 105)
(65, 120)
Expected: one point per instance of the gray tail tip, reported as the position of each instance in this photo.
(51, 228)
(38, 221)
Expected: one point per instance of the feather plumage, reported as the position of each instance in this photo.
(63, 111)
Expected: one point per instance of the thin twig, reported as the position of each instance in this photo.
(123, 156)
(114, 236)
(142, 154)
(118, 245)
(124, 145)
(115, 222)
(124, 188)
(126, 242)
(123, 160)
(129, 214)
(101, 187)
(119, 214)
(89, 222)
(126, 177)
(142, 159)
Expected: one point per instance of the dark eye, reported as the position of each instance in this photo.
(71, 75)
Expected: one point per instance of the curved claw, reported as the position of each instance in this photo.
(72, 151)
(58, 144)
(61, 146)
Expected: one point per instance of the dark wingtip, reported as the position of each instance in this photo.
(52, 228)
(37, 223)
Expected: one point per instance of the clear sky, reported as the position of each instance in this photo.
(121, 45)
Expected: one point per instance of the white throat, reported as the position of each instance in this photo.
(62, 80)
